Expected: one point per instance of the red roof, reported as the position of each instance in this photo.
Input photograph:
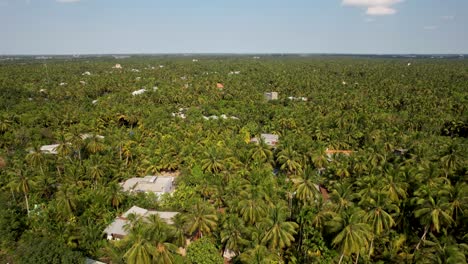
(219, 85)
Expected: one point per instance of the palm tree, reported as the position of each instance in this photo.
(353, 235)
(232, 234)
(305, 186)
(96, 169)
(251, 207)
(377, 214)
(141, 249)
(259, 255)
(432, 212)
(289, 160)
(115, 194)
(94, 144)
(452, 159)
(279, 233)
(36, 159)
(444, 250)
(66, 199)
(21, 182)
(261, 152)
(213, 162)
(342, 196)
(157, 232)
(201, 219)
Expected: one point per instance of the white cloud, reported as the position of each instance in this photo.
(67, 1)
(368, 3)
(448, 17)
(380, 11)
(430, 27)
(374, 7)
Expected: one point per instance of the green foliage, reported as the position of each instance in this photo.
(398, 195)
(203, 251)
(37, 249)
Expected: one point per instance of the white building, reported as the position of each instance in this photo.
(269, 139)
(150, 184)
(50, 149)
(271, 96)
(137, 92)
(116, 230)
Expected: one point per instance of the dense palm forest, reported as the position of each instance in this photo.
(399, 195)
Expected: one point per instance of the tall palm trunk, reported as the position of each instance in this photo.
(423, 237)
(357, 258)
(27, 202)
(341, 258)
(371, 246)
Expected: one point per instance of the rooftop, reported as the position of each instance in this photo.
(155, 184)
(116, 228)
(270, 139)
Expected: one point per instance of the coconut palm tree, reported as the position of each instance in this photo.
(21, 182)
(432, 212)
(201, 219)
(378, 211)
(289, 160)
(353, 234)
(232, 234)
(279, 233)
(306, 186)
(259, 255)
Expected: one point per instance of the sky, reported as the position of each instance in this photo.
(236, 26)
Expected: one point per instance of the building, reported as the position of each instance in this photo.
(116, 230)
(269, 139)
(117, 66)
(219, 85)
(137, 92)
(150, 184)
(271, 96)
(50, 149)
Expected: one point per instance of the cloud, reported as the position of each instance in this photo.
(380, 11)
(448, 17)
(67, 1)
(431, 27)
(375, 7)
(367, 3)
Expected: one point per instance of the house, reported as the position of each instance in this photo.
(87, 135)
(271, 96)
(292, 98)
(117, 66)
(269, 139)
(116, 230)
(50, 149)
(137, 92)
(86, 73)
(154, 184)
(219, 86)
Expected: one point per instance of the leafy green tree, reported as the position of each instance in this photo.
(38, 249)
(353, 234)
(203, 251)
(201, 219)
(279, 233)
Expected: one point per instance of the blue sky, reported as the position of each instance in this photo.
(242, 26)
